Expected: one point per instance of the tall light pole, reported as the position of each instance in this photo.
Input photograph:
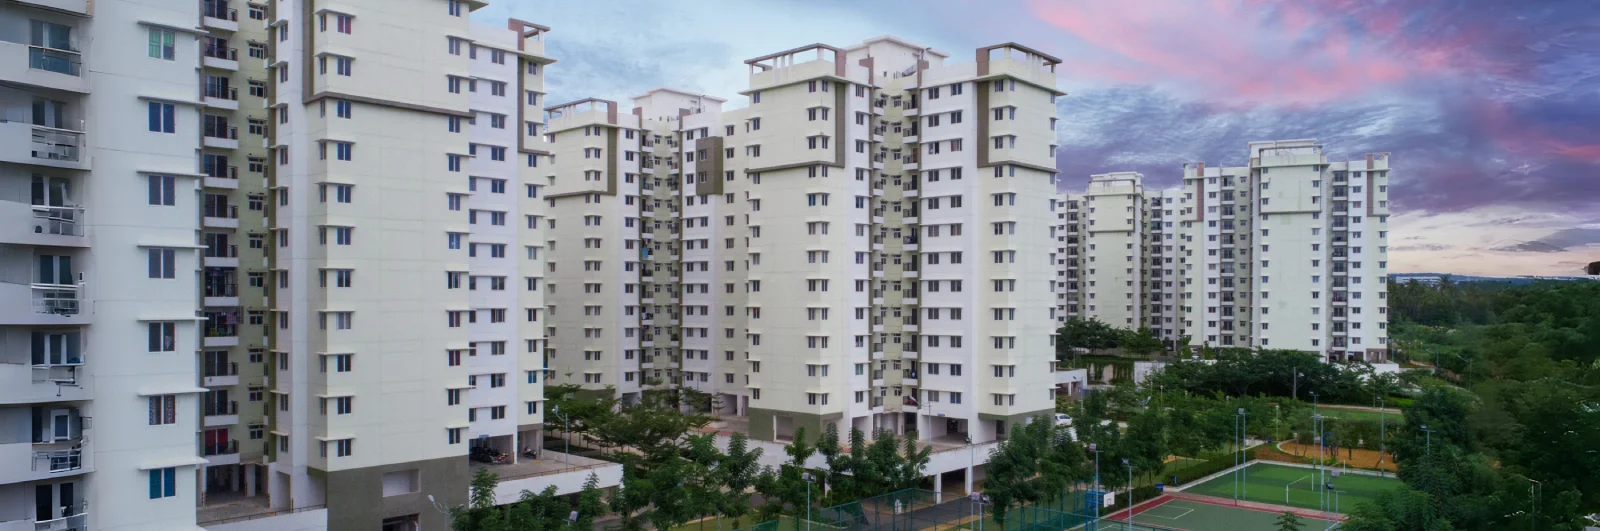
(1383, 429)
(807, 477)
(1322, 503)
(1535, 490)
(1428, 487)
(566, 446)
(1429, 439)
(1244, 453)
(1129, 466)
(1099, 495)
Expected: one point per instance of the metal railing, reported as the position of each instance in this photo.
(221, 251)
(222, 448)
(222, 211)
(60, 460)
(74, 522)
(56, 144)
(230, 368)
(214, 409)
(220, 9)
(221, 288)
(56, 300)
(53, 60)
(222, 131)
(222, 91)
(222, 330)
(60, 221)
(222, 52)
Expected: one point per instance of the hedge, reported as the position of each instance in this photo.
(1205, 468)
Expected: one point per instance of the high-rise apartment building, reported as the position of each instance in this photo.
(101, 197)
(404, 254)
(785, 257)
(1289, 252)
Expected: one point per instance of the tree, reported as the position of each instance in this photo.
(1086, 334)
(1289, 521)
(1141, 342)
(737, 473)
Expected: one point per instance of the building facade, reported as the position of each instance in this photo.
(1217, 249)
(783, 258)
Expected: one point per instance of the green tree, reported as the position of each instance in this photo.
(1086, 334)
(1141, 342)
(481, 513)
(1289, 521)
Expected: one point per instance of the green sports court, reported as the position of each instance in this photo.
(1297, 487)
(1171, 514)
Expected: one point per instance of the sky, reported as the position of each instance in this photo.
(1490, 109)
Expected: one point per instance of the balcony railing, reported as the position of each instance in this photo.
(56, 300)
(222, 131)
(75, 522)
(53, 60)
(222, 91)
(222, 171)
(59, 460)
(50, 143)
(215, 369)
(222, 251)
(222, 330)
(60, 221)
(221, 288)
(222, 52)
(222, 211)
(216, 409)
(221, 448)
(220, 9)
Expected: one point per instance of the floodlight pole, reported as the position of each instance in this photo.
(1130, 490)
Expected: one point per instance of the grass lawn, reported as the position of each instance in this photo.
(1266, 483)
(713, 524)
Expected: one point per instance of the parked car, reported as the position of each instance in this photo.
(1063, 419)
(484, 454)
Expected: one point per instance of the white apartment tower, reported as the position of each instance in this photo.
(101, 193)
(404, 221)
(1289, 252)
(784, 257)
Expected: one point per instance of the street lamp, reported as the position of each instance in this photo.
(1098, 493)
(1125, 463)
(808, 479)
(1535, 491)
(566, 445)
(1382, 432)
(1429, 439)
(1244, 452)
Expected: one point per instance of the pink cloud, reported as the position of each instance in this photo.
(1247, 50)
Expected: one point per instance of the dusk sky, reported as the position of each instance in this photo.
(1490, 108)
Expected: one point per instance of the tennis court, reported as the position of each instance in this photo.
(1297, 487)
(1171, 514)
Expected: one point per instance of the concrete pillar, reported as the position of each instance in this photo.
(250, 472)
(938, 485)
(969, 480)
(233, 477)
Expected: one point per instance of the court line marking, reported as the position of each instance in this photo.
(1185, 512)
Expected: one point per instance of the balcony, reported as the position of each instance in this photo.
(56, 462)
(221, 413)
(217, 255)
(52, 304)
(76, 7)
(25, 143)
(221, 136)
(220, 57)
(221, 374)
(221, 453)
(217, 14)
(220, 217)
(42, 377)
(41, 66)
(26, 224)
(221, 96)
(221, 333)
(66, 523)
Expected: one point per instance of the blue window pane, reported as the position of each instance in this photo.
(171, 480)
(155, 484)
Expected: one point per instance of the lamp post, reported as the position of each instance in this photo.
(1429, 439)
(1316, 426)
(1098, 493)
(1383, 429)
(1244, 452)
(1535, 490)
(566, 446)
(808, 479)
(1129, 466)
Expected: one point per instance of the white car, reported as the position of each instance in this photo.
(1063, 419)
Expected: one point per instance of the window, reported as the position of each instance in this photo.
(453, 435)
(163, 337)
(163, 482)
(162, 263)
(163, 117)
(342, 108)
(163, 45)
(163, 190)
(163, 410)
